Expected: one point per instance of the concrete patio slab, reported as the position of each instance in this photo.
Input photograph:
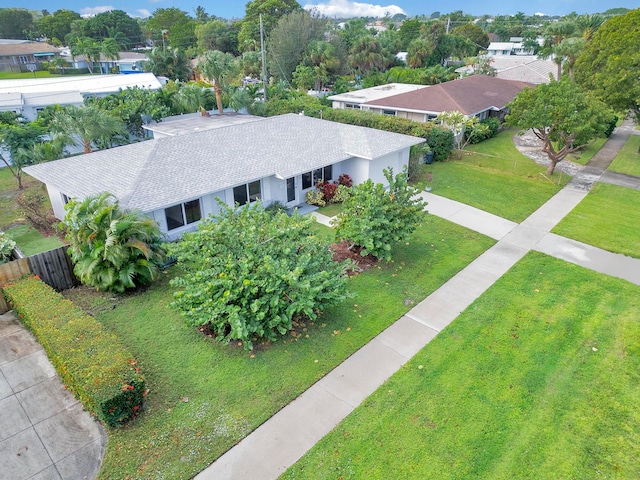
(5, 388)
(23, 456)
(45, 399)
(13, 419)
(67, 432)
(27, 371)
(321, 219)
(83, 463)
(9, 324)
(17, 345)
(49, 473)
(594, 258)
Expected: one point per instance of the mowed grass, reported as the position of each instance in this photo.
(628, 160)
(205, 397)
(21, 75)
(495, 177)
(587, 153)
(539, 378)
(31, 241)
(608, 217)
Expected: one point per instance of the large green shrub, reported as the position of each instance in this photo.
(112, 249)
(373, 219)
(91, 362)
(249, 273)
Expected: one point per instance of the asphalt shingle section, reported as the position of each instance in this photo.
(158, 173)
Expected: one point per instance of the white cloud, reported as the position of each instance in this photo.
(142, 13)
(91, 11)
(349, 9)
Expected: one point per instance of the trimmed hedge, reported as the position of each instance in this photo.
(439, 138)
(93, 365)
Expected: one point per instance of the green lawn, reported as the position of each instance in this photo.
(30, 241)
(628, 160)
(588, 152)
(331, 210)
(19, 75)
(205, 397)
(609, 218)
(495, 177)
(539, 378)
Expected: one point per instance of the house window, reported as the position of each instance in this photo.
(247, 193)
(23, 59)
(183, 214)
(389, 112)
(65, 199)
(353, 106)
(310, 179)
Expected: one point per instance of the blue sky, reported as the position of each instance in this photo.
(341, 8)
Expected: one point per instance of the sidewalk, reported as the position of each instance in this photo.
(284, 438)
(44, 432)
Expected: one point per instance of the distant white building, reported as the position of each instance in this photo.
(30, 95)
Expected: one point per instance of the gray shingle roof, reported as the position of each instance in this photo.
(162, 172)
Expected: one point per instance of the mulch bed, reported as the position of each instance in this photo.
(341, 252)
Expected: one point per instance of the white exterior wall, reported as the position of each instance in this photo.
(57, 203)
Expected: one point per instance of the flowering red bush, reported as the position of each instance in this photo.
(346, 180)
(328, 190)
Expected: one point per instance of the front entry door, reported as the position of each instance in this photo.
(291, 192)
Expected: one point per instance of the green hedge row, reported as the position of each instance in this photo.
(93, 365)
(440, 139)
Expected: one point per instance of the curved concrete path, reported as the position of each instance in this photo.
(278, 443)
(44, 432)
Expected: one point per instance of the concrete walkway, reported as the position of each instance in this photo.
(284, 438)
(44, 432)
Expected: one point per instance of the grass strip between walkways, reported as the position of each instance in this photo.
(628, 160)
(608, 218)
(539, 378)
(495, 177)
(204, 397)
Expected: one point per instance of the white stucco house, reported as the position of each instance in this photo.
(176, 179)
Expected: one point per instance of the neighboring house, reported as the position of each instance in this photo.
(477, 95)
(129, 62)
(176, 179)
(30, 104)
(523, 68)
(25, 56)
(29, 95)
(196, 122)
(358, 98)
(508, 48)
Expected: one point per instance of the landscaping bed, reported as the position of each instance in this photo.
(205, 397)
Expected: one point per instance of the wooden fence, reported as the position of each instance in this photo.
(53, 267)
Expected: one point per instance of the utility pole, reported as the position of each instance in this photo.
(264, 60)
(448, 24)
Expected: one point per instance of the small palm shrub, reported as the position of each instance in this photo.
(112, 249)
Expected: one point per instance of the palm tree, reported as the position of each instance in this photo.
(418, 51)
(112, 249)
(365, 54)
(110, 49)
(192, 98)
(587, 25)
(568, 50)
(88, 49)
(218, 67)
(90, 124)
(169, 62)
(58, 63)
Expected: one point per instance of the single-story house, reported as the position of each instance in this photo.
(176, 179)
(357, 98)
(196, 122)
(524, 68)
(22, 56)
(28, 96)
(508, 48)
(481, 96)
(129, 62)
(30, 104)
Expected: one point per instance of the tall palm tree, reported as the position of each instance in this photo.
(568, 50)
(89, 124)
(365, 54)
(88, 49)
(110, 50)
(587, 25)
(218, 67)
(112, 249)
